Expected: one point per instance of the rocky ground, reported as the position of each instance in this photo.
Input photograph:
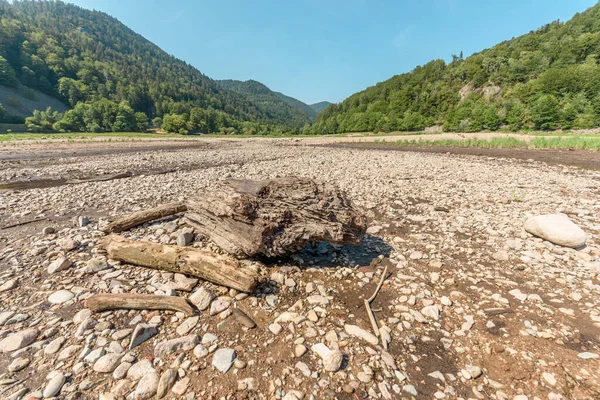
(473, 306)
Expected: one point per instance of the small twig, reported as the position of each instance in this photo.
(370, 300)
(23, 223)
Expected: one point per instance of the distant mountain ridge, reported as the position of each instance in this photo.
(320, 106)
(276, 102)
(81, 56)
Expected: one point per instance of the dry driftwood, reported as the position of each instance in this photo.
(140, 217)
(274, 218)
(101, 178)
(219, 269)
(128, 301)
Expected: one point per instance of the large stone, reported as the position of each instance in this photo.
(141, 333)
(184, 343)
(332, 359)
(166, 382)
(139, 369)
(187, 325)
(9, 285)
(201, 298)
(224, 359)
(219, 304)
(354, 330)
(146, 387)
(18, 340)
(107, 363)
(53, 387)
(95, 265)
(60, 296)
(557, 229)
(60, 264)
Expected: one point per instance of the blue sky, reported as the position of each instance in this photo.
(327, 49)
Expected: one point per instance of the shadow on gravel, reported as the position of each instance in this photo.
(325, 255)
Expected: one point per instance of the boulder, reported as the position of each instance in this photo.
(557, 229)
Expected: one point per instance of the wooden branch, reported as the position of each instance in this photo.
(370, 300)
(274, 218)
(140, 217)
(219, 269)
(31, 221)
(101, 178)
(129, 301)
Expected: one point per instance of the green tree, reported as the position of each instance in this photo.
(8, 76)
(546, 112)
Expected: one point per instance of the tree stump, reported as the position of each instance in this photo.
(274, 218)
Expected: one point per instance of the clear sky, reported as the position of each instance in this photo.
(327, 49)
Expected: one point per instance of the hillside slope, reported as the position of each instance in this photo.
(547, 79)
(320, 106)
(22, 102)
(298, 105)
(272, 102)
(77, 55)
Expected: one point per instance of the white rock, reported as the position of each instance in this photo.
(218, 305)
(18, 340)
(332, 359)
(53, 387)
(275, 328)
(60, 264)
(557, 229)
(202, 298)
(141, 333)
(184, 343)
(224, 359)
(107, 363)
(60, 296)
(187, 325)
(139, 369)
(147, 386)
(354, 330)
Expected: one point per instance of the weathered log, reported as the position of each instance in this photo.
(129, 301)
(140, 217)
(274, 218)
(220, 269)
(100, 178)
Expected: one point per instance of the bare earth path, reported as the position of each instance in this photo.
(475, 307)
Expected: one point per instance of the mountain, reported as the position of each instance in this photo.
(105, 71)
(275, 103)
(298, 105)
(546, 79)
(318, 107)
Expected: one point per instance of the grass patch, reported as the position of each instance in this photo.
(5, 137)
(564, 143)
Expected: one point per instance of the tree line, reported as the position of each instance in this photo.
(547, 79)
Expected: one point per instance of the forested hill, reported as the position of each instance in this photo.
(546, 79)
(299, 105)
(320, 106)
(87, 57)
(276, 104)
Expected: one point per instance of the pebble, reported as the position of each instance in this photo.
(218, 305)
(166, 382)
(60, 296)
(107, 363)
(223, 359)
(147, 386)
(141, 333)
(184, 343)
(54, 385)
(356, 331)
(18, 340)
